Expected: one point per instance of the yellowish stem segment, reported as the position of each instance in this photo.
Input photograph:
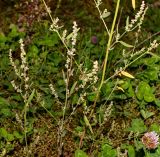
(106, 56)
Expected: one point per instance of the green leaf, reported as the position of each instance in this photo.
(91, 96)
(17, 135)
(31, 97)
(137, 125)
(144, 91)
(155, 127)
(79, 129)
(61, 82)
(51, 40)
(107, 88)
(75, 99)
(125, 84)
(3, 102)
(14, 31)
(157, 102)
(140, 90)
(6, 112)
(130, 91)
(108, 151)
(80, 153)
(138, 144)
(153, 74)
(149, 97)
(33, 51)
(88, 124)
(2, 38)
(72, 88)
(6, 135)
(146, 114)
(43, 54)
(131, 151)
(3, 133)
(10, 137)
(125, 44)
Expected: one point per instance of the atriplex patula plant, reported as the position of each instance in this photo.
(114, 38)
(22, 87)
(87, 80)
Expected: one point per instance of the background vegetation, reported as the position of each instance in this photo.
(110, 124)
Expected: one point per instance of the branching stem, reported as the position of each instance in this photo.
(106, 56)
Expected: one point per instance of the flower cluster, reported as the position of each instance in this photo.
(16, 70)
(54, 26)
(87, 79)
(94, 40)
(138, 17)
(22, 72)
(91, 76)
(98, 2)
(142, 50)
(53, 91)
(150, 140)
(75, 31)
(108, 111)
(72, 50)
(24, 65)
(16, 87)
(153, 45)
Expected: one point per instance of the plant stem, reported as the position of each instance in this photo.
(97, 6)
(106, 56)
(108, 45)
(25, 125)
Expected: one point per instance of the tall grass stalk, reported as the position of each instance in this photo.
(106, 56)
(108, 45)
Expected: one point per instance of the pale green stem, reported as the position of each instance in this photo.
(101, 16)
(135, 60)
(53, 22)
(106, 56)
(25, 125)
(109, 44)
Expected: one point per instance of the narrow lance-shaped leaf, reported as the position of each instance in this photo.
(120, 88)
(124, 73)
(127, 22)
(88, 124)
(125, 44)
(73, 88)
(71, 35)
(31, 96)
(134, 4)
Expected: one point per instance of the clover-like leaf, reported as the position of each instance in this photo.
(80, 153)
